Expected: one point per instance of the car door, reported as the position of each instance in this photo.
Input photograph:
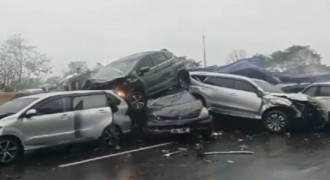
(218, 88)
(92, 115)
(165, 72)
(52, 124)
(149, 79)
(243, 99)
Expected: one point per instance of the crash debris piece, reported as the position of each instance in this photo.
(230, 161)
(244, 147)
(207, 161)
(288, 134)
(228, 153)
(169, 153)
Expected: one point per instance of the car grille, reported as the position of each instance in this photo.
(191, 115)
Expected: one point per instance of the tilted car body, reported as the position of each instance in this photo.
(37, 121)
(140, 75)
(178, 113)
(254, 99)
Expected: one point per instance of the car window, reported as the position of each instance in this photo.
(89, 102)
(145, 62)
(158, 58)
(324, 91)
(222, 82)
(168, 55)
(58, 105)
(199, 78)
(311, 91)
(244, 86)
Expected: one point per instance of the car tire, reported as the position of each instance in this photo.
(10, 150)
(110, 137)
(183, 80)
(137, 101)
(276, 121)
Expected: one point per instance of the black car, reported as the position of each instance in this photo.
(177, 113)
(140, 75)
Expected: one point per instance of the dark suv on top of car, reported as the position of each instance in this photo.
(140, 75)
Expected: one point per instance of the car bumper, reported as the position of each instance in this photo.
(183, 126)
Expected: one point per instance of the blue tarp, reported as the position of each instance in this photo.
(251, 67)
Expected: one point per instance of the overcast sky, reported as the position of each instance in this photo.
(104, 30)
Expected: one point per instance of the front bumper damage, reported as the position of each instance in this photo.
(311, 114)
(182, 126)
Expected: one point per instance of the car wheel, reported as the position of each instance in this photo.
(10, 150)
(183, 80)
(110, 136)
(137, 100)
(276, 121)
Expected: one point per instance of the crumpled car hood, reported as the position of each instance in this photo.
(103, 84)
(293, 96)
(175, 105)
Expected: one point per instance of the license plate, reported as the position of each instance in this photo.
(180, 131)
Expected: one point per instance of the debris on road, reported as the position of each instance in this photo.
(220, 133)
(227, 153)
(240, 140)
(288, 134)
(231, 161)
(169, 154)
(207, 161)
(244, 147)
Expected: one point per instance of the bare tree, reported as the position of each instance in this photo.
(237, 55)
(21, 64)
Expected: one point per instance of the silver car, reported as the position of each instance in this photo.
(320, 92)
(254, 99)
(49, 119)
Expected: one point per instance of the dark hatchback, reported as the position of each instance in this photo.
(177, 113)
(140, 75)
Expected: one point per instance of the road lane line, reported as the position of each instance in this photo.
(113, 155)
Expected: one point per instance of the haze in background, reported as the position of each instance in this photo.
(102, 31)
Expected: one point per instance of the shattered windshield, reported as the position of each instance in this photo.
(267, 87)
(15, 105)
(115, 69)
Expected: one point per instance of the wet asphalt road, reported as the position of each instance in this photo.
(298, 155)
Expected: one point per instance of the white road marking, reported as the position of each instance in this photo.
(113, 155)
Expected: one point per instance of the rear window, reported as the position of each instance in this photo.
(324, 91)
(244, 86)
(222, 82)
(311, 91)
(158, 58)
(89, 102)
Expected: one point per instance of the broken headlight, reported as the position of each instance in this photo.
(204, 113)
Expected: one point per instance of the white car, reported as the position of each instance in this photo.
(48, 119)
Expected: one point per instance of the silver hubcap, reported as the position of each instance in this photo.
(275, 122)
(8, 151)
(137, 101)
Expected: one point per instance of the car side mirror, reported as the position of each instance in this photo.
(144, 69)
(30, 113)
(260, 94)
